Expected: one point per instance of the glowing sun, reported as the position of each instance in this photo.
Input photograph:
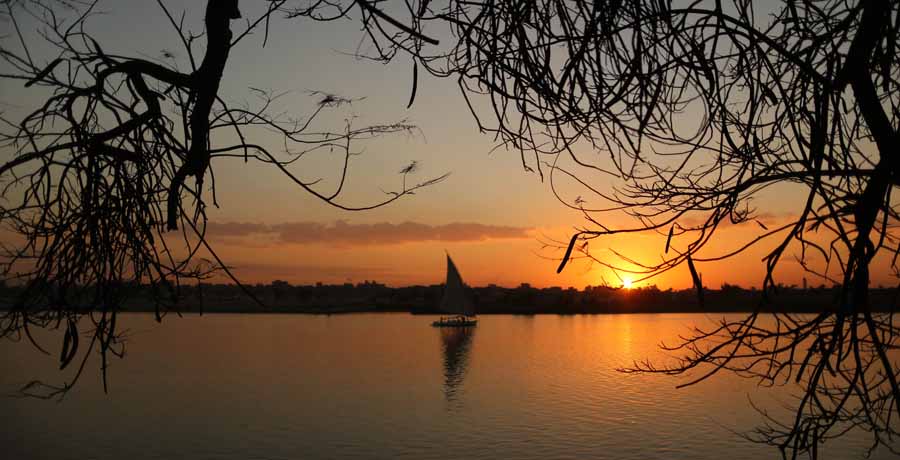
(626, 283)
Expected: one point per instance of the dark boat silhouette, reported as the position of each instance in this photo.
(455, 302)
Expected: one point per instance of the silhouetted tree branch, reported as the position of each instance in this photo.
(678, 115)
(103, 181)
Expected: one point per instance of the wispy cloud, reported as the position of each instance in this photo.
(342, 233)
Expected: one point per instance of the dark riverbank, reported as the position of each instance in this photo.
(281, 297)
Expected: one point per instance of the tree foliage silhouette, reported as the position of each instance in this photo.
(107, 180)
(678, 115)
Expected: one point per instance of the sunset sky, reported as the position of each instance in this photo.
(490, 214)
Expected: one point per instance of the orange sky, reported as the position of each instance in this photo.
(490, 214)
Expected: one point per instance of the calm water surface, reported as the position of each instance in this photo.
(388, 386)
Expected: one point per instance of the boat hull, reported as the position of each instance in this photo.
(455, 322)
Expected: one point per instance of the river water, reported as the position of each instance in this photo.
(388, 386)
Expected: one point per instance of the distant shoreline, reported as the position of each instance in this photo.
(251, 312)
(371, 297)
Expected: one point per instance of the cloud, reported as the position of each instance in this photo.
(342, 233)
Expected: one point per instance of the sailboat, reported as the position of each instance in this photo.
(455, 301)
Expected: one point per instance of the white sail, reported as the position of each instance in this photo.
(455, 301)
